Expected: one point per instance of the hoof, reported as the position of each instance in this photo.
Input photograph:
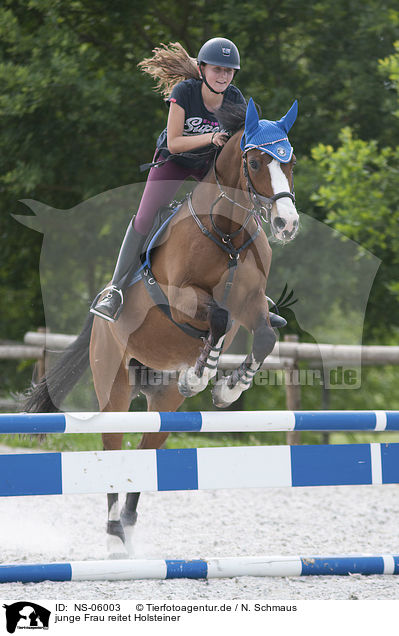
(129, 543)
(116, 549)
(129, 520)
(223, 395)
(189, 383)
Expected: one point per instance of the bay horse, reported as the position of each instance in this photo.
(212, 266)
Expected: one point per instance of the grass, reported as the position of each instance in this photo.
(91, 442)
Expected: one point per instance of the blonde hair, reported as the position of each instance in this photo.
(169, 65)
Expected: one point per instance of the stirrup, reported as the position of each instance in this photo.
(93, 310)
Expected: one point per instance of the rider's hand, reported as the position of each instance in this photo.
(219, 138)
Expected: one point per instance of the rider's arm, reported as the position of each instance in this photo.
(176, 141)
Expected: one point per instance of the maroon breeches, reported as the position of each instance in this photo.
(162, 184)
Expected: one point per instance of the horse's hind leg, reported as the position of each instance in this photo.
(195, 379)
(228, 389)
(164, 397)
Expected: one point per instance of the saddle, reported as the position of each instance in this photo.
(162, 219)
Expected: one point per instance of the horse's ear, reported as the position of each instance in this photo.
(251, 118)
(288, 120)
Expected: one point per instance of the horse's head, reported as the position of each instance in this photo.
(268, 162)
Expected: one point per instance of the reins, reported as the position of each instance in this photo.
(261, 207)
(225, 240)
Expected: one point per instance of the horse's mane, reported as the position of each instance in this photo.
(231, 117)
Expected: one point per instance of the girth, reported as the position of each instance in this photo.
(160, 299)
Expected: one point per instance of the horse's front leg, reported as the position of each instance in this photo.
(194, 379)
(119, 400)
(164, 397)
(228, 389)
(128, 516)
(115, 533)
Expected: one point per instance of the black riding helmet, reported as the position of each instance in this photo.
(218, 52)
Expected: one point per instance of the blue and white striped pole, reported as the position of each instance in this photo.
(207, 421)
(198, 469)
(226, 567)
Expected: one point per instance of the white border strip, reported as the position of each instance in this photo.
(118, 570)
(145, 422)
(241, 421)
(376, 464)
(380, 420)
(109, 471)
(389, 564)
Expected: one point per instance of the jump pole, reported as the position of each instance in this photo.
(197, 421)
(228, 567)
(191, 469)
(198, 469)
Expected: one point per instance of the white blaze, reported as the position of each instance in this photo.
(284, 207)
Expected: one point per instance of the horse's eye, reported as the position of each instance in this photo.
(254, 164)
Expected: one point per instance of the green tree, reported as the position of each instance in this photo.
(360, 194)
(77, 117)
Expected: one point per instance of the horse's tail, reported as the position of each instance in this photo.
(48, 394)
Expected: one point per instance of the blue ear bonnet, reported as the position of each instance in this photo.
(269, 136)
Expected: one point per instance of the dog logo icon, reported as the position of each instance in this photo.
(25, 615)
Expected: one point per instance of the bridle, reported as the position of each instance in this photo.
(224, 239)
(261, 209)
(263, 205)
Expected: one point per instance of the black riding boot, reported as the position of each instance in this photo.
(110, 306)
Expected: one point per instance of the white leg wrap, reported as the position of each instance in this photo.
(190, 383)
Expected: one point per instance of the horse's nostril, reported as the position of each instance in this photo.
(279, 223)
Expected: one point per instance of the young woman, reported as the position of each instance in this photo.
(195, 89)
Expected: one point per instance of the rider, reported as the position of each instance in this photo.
(192, 129)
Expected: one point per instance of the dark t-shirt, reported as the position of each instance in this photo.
(198, 120)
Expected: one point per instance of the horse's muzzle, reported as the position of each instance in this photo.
(282, 230)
